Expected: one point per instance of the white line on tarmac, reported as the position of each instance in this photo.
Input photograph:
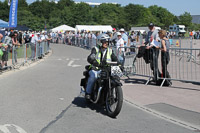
(70, 64)
(5, 128)
(165, 117)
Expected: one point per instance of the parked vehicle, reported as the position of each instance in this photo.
(178, 29)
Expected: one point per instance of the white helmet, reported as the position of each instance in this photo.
(122, 30)
(119, 34)
(104, 38)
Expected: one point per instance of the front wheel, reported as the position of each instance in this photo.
(114, 100)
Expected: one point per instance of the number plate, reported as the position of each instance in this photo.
(116, 71)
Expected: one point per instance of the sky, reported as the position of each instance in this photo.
(177, 7)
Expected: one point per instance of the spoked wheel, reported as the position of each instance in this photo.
(114, 100)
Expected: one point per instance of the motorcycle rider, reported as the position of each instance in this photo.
(99, 56)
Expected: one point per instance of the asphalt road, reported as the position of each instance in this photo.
(45, 98)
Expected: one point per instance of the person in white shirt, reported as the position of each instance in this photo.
(35, 39)
(44, 39)
(120, 51)
(93, 40)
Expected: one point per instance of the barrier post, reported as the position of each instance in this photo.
(13, 55)
(25, 53)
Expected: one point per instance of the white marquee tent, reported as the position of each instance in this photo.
(63, 28)
(103, 28)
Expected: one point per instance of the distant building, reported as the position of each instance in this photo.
(196, 19)
(92, 4)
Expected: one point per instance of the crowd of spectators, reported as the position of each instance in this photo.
(195, 34)
(11, 40)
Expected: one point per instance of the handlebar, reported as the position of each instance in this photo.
(112, 63)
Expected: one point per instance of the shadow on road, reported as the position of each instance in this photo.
(143, 82)
(81, 102)
(138, 81)
(78, 102)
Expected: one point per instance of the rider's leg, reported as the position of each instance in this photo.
(91, 80)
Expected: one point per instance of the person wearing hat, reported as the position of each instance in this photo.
(114, 36)
(44, 38)
(35, 39)
(121, 51)
(124, 36)
(152, 34)
(154, 51)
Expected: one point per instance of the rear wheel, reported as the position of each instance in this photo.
(114, 100)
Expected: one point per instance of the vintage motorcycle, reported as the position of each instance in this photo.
(107, 89)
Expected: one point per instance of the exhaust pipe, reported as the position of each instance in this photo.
(82, 91)
(98, 95)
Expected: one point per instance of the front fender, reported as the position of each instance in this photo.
(115, 81)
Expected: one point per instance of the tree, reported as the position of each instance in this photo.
(22, 4)
(81, 14)
(4, 10)
(138, 15)
(67, 12)
(163, 17)
(109, 14)
(185, 19)
(65, 3)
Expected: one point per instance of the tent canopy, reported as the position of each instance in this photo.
(3, 24)
(103, 28)
(63, 28)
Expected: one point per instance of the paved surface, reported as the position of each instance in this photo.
(180, 101)
(45, 98)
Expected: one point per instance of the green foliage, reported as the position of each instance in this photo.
(80, 14)
(194, 27)
(4, 10)
(186, 19)
(163, 17)
(42, 12)
(138, 15)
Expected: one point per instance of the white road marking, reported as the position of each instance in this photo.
(5, 128)
(67, 59)
(71, 62)
(61, 99)
(59, 59)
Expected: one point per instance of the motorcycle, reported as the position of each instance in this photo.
(107, 89)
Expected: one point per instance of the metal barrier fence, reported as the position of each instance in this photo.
(134, 65)
(24, 54)
(184, 64)
(180, 42)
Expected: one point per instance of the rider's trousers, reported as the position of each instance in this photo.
(91, 80)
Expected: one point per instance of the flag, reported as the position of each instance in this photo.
(13, 14)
